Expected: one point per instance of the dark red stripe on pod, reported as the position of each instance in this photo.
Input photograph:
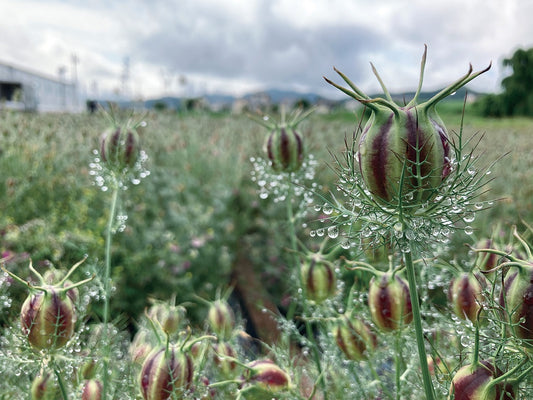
(380, 154)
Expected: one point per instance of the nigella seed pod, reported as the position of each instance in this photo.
(389, 302)
(45, 387)
(404, 151)
(48, 314)
(48, 319)
(486, 261)
(92, 390)
(517, 298)
(354, 338)
(166, 373)
(168, 316)
(120, 148)
(221, 319)
(224, 357)
(465, 295)
(140, 347)
(284, 149)
(476, 382)
(318, 278)
(265, 375)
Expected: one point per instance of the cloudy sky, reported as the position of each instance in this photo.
(148, 48)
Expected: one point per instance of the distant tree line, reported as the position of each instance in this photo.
(517, 95)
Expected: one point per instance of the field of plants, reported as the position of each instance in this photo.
(204, 261)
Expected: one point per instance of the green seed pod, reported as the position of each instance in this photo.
(354, 338)
(45, 387)
(475, 382)
(169, 317)
(48, 319)
(465, 295)
(318, 278)
(266, 378)
(517, 298)
(284, 148)
(221, 319)
(120, 148)
(224, 355)
(404, 151)
(389, 302)
(48, 314)
(140, 347)
(166, 373)
(92, 390)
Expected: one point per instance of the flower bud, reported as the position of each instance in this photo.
(475, 382)
(318, 278)
(465, 295)
(266, 376)
(284, 149)
(389, 302)
(221, 319)
(92, 390)
(120, 148)
(517, 298)
(166, 373)
(404, 151)
(48, 319)
(354, 338)
(45, 387)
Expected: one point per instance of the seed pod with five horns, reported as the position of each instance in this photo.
(404, 151)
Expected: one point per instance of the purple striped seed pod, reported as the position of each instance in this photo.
(354, 338)
(266, 375)
(476, 382)
(318, 278)
(486, 261)
(45, 387)
(48, 319)
(404, 151)
(221, 319)
(284, 148)
(120, 148)
(465, 295)
(517, 298)
(389, 302)
(92, 390)
(166, 373)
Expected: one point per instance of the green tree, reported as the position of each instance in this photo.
(517, 95)
(518, 87)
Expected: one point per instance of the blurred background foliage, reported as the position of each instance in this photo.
(198, 212)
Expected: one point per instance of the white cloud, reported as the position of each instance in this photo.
(236, 45)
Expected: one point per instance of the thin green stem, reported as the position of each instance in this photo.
(107, 289)
(398, 363)
(417, 321)
(60, 383)
(308, 329)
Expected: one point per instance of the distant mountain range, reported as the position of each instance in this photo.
(277, 96)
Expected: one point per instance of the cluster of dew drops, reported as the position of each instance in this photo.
(104, 178)
(276, 185)
(455, 206)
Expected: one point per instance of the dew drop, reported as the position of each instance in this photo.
(333, 232)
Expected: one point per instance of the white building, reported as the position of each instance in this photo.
(27, 90)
